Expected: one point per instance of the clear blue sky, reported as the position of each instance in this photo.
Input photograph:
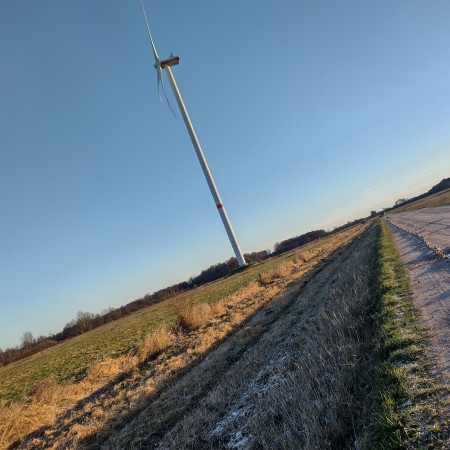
(310, 114)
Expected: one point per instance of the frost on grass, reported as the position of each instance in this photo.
(232, 427)
(295, 386)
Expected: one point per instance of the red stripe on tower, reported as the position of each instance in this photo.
(219, 205)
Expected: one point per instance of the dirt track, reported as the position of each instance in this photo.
(429, 273)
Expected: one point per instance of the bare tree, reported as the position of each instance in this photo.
(27, 339)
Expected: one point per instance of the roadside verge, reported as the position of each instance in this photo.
(412, 412)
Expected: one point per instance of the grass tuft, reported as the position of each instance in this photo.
(191, 317)
(154, 342)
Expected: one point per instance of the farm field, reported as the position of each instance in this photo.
(308, 356)
(438, 199)
(267, 327)
(36, 391)
(316, 348)
(70, 360)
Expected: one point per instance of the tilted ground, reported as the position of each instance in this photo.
(298, 385)
(293, 360)
(72, 360)
(419, 236)
(286, 378)
(88, 413)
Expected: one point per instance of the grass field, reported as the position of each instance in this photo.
(441, 198)
(70, 365)
(70, 360)
(316, 348)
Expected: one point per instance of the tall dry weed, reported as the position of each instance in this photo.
(305, 255)
(281, 271)
(191, 317)
(154, 342)
(106, 369)
(39, 408)
(227, 304)
(250, 290)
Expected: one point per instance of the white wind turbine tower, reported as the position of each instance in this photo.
(166, 65)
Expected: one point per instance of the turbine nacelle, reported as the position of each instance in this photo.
(170, 61)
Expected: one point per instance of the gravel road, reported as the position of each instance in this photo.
(430, 224)
(429, 273)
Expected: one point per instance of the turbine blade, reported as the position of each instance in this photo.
(167, 100)
(159, 78)
(155, 53)
(159, 81)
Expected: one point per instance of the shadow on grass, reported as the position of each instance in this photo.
(166, 388)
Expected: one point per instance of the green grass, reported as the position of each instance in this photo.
(439, 199)
(70, 360)
(408, 396)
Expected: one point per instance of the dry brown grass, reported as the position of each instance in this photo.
(297, 386)
(47, 400)
(154, 343)
(190, 317)
(248, 291)
(302, 256)
(282, 271)
(41, 408)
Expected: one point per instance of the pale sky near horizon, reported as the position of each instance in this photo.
(310, 114)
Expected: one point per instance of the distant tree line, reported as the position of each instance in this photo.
(441, 186)
(30, 345)
(86, 321)
(226, 268)
(289, 244)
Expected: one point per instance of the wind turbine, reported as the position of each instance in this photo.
(166, 64)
